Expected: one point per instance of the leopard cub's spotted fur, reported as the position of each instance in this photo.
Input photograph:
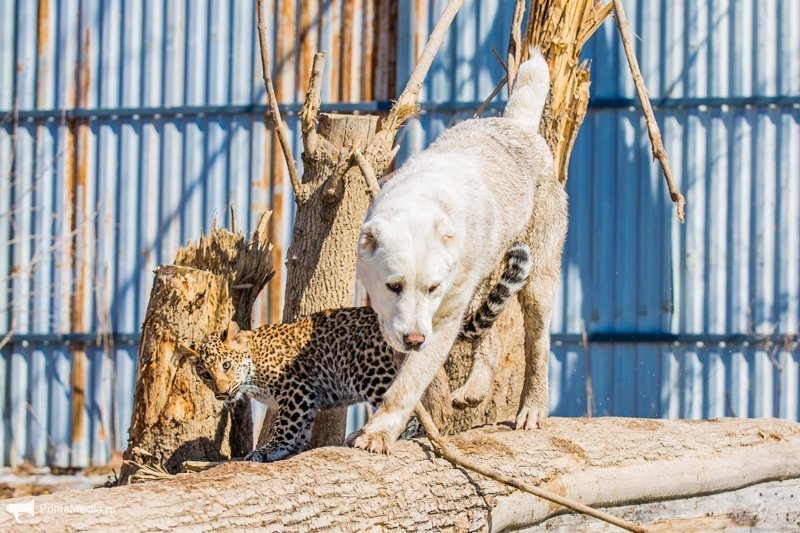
(334, 358)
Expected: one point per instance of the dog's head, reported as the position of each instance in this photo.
(407, 263)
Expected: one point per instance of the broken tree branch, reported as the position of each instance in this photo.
(274, 112)
(310, 110)
(445, 451)
(652, 126)
(367, 171)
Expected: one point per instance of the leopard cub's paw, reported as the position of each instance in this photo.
(257, 456)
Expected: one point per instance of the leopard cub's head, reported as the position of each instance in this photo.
(222, 361)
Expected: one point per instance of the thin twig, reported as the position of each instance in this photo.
(652, 126)
(200, 466)
(495, 92)
(273, 102)
(367, 171)
(441, 447)
(587, 371)
(499, 59)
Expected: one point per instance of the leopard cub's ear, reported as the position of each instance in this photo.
(231, 332)
(239, 342)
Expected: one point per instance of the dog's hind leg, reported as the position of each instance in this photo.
(545, 238)
(486, 355)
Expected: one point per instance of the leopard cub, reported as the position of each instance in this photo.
(334, 358)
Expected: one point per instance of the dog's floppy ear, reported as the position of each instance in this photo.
(444, 230)
(231, 332)
(368, 240)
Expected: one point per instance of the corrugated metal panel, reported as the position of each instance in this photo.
(167, 134)
(91, 202)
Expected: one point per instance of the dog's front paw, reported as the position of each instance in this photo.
(378, 442)
(530, 417)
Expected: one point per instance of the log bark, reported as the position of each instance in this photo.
(770, 506)
(601, 462)
(175, 417)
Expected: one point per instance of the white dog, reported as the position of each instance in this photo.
(442, 225)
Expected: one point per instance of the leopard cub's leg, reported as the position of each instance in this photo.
(292, 430)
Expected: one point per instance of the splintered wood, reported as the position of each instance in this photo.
(560, 29)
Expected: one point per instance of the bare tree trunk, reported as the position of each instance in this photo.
(600, 462)
(175, 417)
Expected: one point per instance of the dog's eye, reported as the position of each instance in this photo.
(395, 287)
(226, 366)
(432, 288)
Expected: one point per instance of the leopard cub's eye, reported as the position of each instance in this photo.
(395, 287)
(226, 366)
(205, 374)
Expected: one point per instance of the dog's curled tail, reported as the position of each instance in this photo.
(530, 91)
(513, 278)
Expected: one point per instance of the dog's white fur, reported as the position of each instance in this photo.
(441, 226)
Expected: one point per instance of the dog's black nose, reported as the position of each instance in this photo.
(413, 340)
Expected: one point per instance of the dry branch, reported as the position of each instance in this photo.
(406, 105)
(274, 111)
(515, 44)
(601, 462)
(310, 110)
(367, 171)
(644, 99)
(452, 455)
(560, 30)
(488, 100)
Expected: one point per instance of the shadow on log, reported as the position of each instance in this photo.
(600, 462)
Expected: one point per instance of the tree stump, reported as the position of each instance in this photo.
(175, 417)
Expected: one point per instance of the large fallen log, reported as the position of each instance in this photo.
(600, 462)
